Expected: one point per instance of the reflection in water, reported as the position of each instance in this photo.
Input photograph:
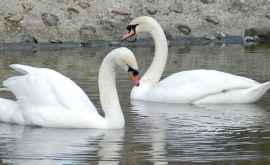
(186, 132)
(154, 133)
(32, 145)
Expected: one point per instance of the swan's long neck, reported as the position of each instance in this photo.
(108, 94)
(154, 72)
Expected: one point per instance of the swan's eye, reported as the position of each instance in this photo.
(132, 27)
(134, 72)
(129, 28)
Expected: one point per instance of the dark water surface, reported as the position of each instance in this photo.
(154, 133)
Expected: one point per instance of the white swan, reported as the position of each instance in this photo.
(194, 86)
(49, 99)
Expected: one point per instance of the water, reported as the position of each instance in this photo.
(154, 133)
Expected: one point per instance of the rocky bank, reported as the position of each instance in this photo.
(82, 20)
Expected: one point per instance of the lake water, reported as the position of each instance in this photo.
(154, 133)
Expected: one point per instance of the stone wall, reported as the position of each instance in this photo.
(75, 20)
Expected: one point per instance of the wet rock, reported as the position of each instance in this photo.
(176, 7)
(249, 39)
(49, 19)
(168, 35)
(208, 37)
(263, 34)
(152, 10)
(212, 19)
(26, 38)
(87, 32)
(183, 29)
(83, 4)
(208, 1)
(220, 35)
(56, 41)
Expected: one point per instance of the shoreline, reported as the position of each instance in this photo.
(181, 41)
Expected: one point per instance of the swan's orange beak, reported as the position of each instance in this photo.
(127, 35)
(135, 79)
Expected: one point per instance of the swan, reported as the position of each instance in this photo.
(191, 86)
(47, 98)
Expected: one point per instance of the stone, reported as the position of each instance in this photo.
(84, 4)
(183, 29)
(13, 22)
(13, 17)
(49, 19)
(262, 33)
(176, 7)
(212, 19)
(238, 6)
(56, 41)
(27, 7)
(208, 36)
(72, 10)
(267, 15)
(152, 10)
(118, 12)
(26, 38)
(220, 35)
(87, 32)
(208, 1)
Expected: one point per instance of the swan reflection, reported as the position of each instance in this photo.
(185, 132)
(32, 145)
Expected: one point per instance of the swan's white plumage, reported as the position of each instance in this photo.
(43, 86)
(202, 86)
(47, 98)
(194, 86)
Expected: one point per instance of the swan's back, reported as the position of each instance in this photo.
(189, 86)
(47, 98)
(46, 87)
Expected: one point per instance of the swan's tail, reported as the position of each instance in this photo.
(257, 92)
(9, 111)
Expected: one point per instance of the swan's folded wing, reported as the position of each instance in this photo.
(46, 87)
(195, 84)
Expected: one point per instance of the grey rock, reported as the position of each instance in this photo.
(27, 6)
(208, 37)
(84, 4)
(220, 35)
(119, 12)
(208, 1)
(152, 10)
(26, 38)
(176, 7)
(183, 29)
(87, 32)
(56, 41)
(72, 10)
(13, 17)
(212, 19)
(238, 6)
(49, 19)
(262, 33)
(267, 15)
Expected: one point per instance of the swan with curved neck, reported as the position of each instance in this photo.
(193, 86)
(49, 99)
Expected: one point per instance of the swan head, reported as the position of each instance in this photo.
(127, 61)
(140, 24)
